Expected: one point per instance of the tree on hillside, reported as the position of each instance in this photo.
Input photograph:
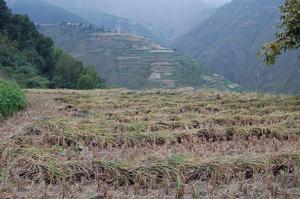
(90, 79)
(30, 58)
(67, 70)
(4, 14)
(289, 38)
(24, 37)
(71, 73)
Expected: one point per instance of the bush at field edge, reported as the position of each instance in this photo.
(12, 98)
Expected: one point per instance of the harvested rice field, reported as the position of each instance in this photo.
(151, 144)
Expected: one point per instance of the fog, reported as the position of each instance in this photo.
(165, 18)
(103, 4)
(217, 2)
(139, 8)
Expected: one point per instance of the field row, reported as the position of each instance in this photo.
(154, 144)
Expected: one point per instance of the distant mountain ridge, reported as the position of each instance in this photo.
(42, 12)
(166, 19)
(228, 43)
(113, 23)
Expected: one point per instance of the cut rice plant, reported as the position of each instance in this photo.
(140, 144)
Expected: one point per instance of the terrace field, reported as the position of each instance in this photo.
(134, 62)
(152, 144)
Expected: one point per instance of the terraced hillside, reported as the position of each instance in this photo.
(229, 41)
(133, 61)
(154, 144)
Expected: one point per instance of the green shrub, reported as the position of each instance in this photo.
(12, 98)
(89, 79)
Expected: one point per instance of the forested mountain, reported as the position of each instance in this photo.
(228, 43)
(132, 61)
(42, 12)
(30, 58)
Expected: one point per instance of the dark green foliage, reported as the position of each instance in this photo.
(31, 59)
(70, 73)
(290, 37)
(25, 53)
(36, 47)
(12, 98)
(90, 79)
(67, 70)
(4, 15)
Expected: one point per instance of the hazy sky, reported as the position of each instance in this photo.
(170, 13)
(142, 9)
(148, 2)
(172, 16)
(216, 2)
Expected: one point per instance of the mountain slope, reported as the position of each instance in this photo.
(132, 61)
(43, 13)
(113, 23)
(228, 42)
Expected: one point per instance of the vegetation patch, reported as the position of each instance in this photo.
(12, 98)
(30, 58)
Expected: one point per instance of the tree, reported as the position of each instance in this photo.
(289, 38)
(67, 70)
(71, 73)
(90, 79)
(4, 15)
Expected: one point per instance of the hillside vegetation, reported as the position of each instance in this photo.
(155, 144)
(12, 99)
(229, 41)
(133, 61)
(30, 58)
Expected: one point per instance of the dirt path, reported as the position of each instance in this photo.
(41, 105)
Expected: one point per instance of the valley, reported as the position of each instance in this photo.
(226, 40)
